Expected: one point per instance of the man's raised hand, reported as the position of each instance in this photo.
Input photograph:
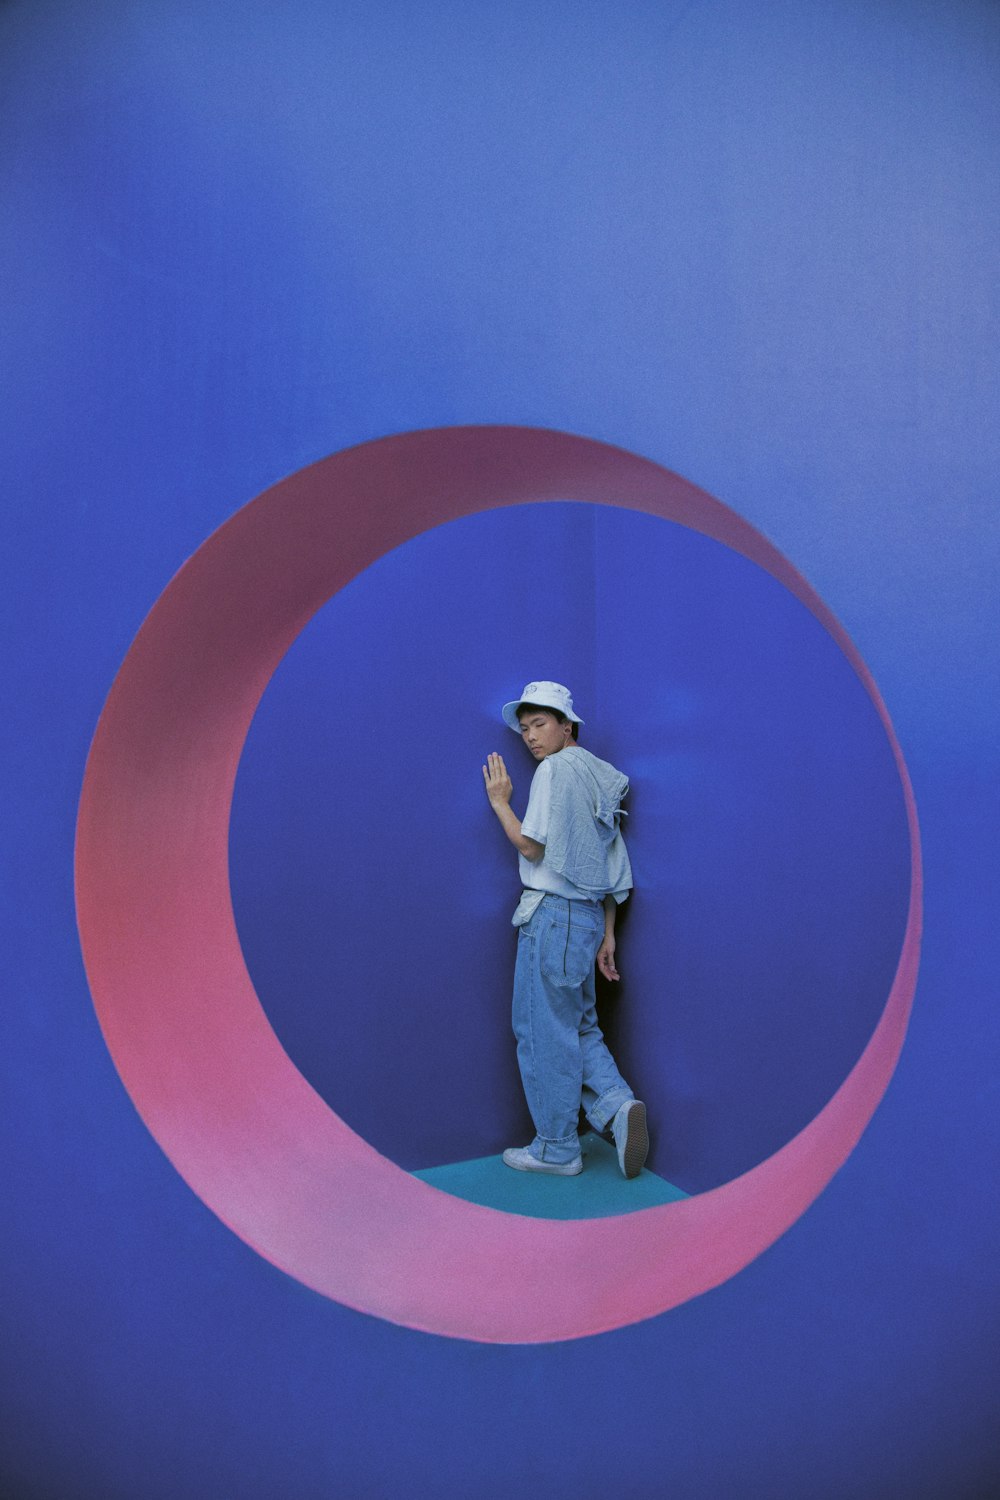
(498, 784)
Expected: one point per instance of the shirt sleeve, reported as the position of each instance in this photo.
(536, 818)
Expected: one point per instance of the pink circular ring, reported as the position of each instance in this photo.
(177, 1006)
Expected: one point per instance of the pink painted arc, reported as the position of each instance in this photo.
(177, 1007)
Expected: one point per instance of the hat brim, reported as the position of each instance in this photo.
(509, 712)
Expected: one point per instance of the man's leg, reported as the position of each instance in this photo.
(604, 1089)
(607, 1098)
(555, 960)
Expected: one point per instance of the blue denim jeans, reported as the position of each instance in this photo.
(561, 1051)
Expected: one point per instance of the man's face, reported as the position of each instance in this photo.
(542, 732)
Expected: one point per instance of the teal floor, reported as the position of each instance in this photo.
(599, 1191)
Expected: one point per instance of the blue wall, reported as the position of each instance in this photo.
(756, 244)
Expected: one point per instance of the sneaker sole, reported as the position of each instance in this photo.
(636, 1149)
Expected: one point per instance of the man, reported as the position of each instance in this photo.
(575, 870)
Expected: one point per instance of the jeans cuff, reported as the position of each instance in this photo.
(603, 1110)
(566, 1148)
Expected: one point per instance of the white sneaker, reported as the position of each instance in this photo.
(629, 1130)
(522, 1159)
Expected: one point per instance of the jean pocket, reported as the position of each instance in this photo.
(568, 952)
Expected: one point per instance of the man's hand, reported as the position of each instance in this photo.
(498, 784)
(499, 789)
(606, 952)
(606, 958)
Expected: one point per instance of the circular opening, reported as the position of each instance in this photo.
(179, 1012)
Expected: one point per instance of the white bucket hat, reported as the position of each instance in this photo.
(544, 695)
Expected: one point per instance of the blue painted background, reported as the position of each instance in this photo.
(757, 244)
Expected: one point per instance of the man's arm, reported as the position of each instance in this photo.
(499, 789)
(606, 952)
